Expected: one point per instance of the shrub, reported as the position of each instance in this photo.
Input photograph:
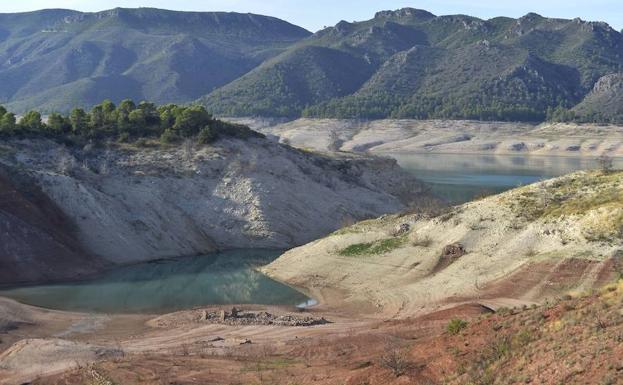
(142, 142)
(456, 325)
(124, 137)
(207, 135)
(396, 360)
(169, 136)
(605, 164)
(421, 241)
(373, 248)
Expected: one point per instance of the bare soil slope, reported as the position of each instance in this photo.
(128, 204)
(516, 248)
(575, 340)
(393, 291)
(37, 241)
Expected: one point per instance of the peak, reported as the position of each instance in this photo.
(608, 83)
(343, 26)
(531, 16)
(155, 18)
(405, 12)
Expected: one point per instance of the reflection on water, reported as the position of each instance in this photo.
(460, 178)
(164, 286)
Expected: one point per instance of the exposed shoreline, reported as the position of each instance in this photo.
(445, 136)
(364, 297)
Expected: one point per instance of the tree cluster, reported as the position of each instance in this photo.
(124, 122)
(385, 106)
(562, 114)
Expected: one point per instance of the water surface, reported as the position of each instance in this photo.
(461, 178)
(230, 278)
(169, 285)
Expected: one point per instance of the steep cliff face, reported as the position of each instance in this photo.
(605, 101)
(36, 239)
(130, 205)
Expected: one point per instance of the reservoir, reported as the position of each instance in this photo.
(168, 285)
(230, 277)
(459, 178)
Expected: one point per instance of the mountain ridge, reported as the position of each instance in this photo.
(160, 55)
(562, 60)
(405, 63)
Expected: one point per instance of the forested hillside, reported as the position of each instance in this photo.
(413, 64)
(54, 60)
(127, 122)
(407, 63)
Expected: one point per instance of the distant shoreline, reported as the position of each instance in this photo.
(444, 136)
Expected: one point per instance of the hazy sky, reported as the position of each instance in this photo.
(314, 14)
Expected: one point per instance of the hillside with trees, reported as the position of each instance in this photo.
(412, 64)
(54, 60)
(406, 63)
(125, 122)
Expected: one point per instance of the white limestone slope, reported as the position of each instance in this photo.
(135, 204)
(520, 246)
(447, 136)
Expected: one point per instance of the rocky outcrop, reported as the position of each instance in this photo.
(605, 101)
(126, 205)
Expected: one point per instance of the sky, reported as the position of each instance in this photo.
(316, 14)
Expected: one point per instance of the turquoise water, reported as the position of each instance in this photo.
(230, 278)
(460, 178)
(169, 285)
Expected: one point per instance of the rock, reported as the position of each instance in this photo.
(204, 316)
(225, 206)
(454, 251)
(521, 146)
(401, 229)
(449, 255)
(234, 312)
(260, 318)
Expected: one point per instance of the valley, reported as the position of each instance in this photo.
(397, 293)
(228, 198)
(383, 255)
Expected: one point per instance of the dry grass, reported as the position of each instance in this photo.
(576, 340)
(421, 240)
(596, 196)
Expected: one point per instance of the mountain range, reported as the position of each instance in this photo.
(407, 63)
(59, 59)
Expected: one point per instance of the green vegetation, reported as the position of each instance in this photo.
(144, 54)
(373, 248)
(125, 122)
(399, 65)
(604, 104)
(456, 325)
